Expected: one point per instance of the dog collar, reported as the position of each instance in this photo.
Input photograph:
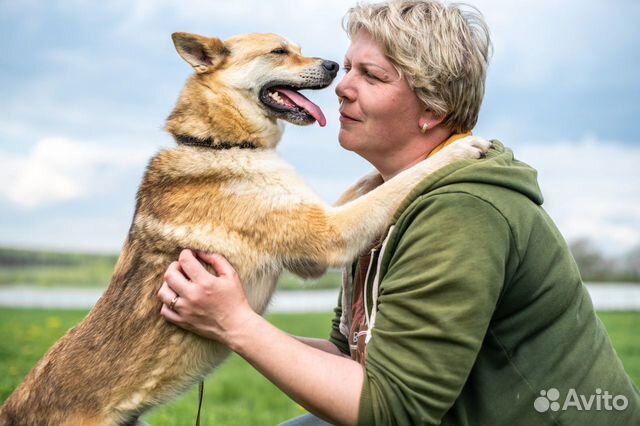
(212, 143)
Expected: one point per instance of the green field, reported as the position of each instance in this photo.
(51, 269)
(235, 394)
(40, 268)
(81, 270)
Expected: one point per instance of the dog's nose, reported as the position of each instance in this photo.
(332, 67)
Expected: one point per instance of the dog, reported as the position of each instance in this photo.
(222, 189)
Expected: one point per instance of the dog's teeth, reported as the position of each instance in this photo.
(276, 97)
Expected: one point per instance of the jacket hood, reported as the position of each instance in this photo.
(499, 168)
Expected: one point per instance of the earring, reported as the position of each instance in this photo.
(424, 128)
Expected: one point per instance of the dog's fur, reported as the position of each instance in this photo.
(232, 195)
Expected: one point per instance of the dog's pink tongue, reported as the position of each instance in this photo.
(305, 104)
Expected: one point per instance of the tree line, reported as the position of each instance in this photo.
(594, 265)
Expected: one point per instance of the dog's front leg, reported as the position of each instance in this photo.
(363, 186)
(364, 219)
(339, 234)
(308, 268)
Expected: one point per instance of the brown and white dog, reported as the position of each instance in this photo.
(223, 189)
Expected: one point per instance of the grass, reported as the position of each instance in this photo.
(80, 270)
(39, 268)
(623, 332)
(52, 269)
(235, 394)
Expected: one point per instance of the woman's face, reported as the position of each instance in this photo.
(379, 113)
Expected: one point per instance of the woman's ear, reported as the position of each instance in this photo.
(429, 120)
(204, 54)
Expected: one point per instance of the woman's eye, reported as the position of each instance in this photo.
(371, 76)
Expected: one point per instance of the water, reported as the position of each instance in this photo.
(606, 297)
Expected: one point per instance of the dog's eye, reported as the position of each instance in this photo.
(280, 51)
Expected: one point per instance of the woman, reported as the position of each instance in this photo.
(471, 305)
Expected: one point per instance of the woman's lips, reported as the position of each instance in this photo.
(346, 118)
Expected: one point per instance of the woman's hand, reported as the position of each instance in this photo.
(213, 306)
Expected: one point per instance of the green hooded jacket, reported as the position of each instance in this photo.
(478, 315)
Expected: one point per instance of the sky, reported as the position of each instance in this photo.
(85, 88)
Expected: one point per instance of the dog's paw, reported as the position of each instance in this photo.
(467, 148)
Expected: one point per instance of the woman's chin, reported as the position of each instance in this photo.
(347, 141)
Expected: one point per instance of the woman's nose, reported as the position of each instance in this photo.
(343, 88)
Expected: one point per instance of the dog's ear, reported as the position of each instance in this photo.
(204, 54)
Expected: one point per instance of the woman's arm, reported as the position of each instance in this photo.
(322, 344)
(313, 373)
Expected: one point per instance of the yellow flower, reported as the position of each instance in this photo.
(34, 332)
(54, 323)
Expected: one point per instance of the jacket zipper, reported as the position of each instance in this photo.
(366, 284)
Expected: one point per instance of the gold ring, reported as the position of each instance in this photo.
(173, 302)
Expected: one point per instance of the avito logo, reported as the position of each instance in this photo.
(550, 400)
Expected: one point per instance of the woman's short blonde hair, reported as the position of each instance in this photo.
(442, 51)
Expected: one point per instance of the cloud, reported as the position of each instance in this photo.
(305, 21)
(590, 188)
(537, 42)
(58, 169)
(589, 185)
(106, 72)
